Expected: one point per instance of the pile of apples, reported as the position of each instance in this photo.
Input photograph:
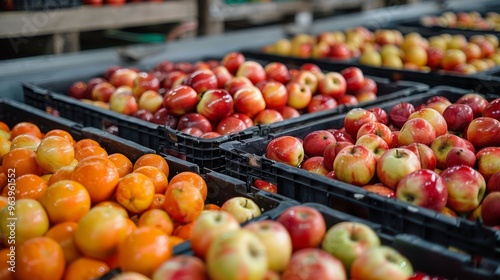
(464, 20)
(445, 52)
(439, 155)
(297, 245)
(214, 98)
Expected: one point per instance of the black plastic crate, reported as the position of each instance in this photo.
(42, 5)
(245, 160)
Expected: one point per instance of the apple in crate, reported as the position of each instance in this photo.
(460, 156)
(355, 165)
(286, 149)
(490, 209)
(333, 84)
(381, 263)
(305, 225)
(267, 116)
(307, 78)
(423, 188)
(102, 92)
(321, 102)
(275, 95)
(277, 71)
(232, 61)
(265, 186)
(374, 143)
(492, 110)
(215, 104)
(488, 161)
(416, 130)
(314, 264)
(458, 116)
(173, 79)
(202, 80)
(238, 254)
(442, 145)
(299, 95)
(399, 113)
(376, 128)
(243, 209)
(476, 101)
(288, 112)
(348, 240)
(237, 83)
(315, 142)
(493, 183)
(145, 82)
(483, 132)
(381, 114)
(189, 267)
(123, 77)
(151, 101)
(246, 119)
(424, 153)
(123, 103)
(395, 164)
(230, 125)
(222, 75)
(277, 241)
(78, 90)
(380, 190)
(316, 165)
(252, 70)
(180, 100)
(207, 227)
(355, 118)
(463, 198)
(191, 120)
(354, 78)
(249, 101)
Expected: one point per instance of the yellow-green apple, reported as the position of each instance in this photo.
(144, 82)
(306, 226)
(275, 95)
(458, 42)
(371, 58)
(476, 101)
(490, 213)
(78, 90)
(374, 143)
(286, 149)
(173, 79)
(151, 101)
(180, 100)
(277, 241)
(394, 164)
(320, 50)
(202, 80)
(452, 59)
(458, 116)
(163, 117)
(416, 55)
(232, 61)
(381, 114)
(442, 146)
(460, 156)
(438, 42)
(433, 117)
(492, 110)
(355, 165)
(463, 198)
(330, 152)
(238, 254)
(307, 78)
(277, 71)
(246, 119)
(348, 240)
(299, 95)
(425, 155)
(230, 125)
(215, 104)
(194, 120)
(123, 77)
(189, 267)
(242, 208)
(390, 49)
(288, 112)
(282, 47)
(380, 190)
(354, 78)
(321, 102)
(377, 128)
(399, 113)
(355, 118)
(484, 132)
(488, 161)
(381, 263)
(314, 143)
(102, 92)
(493, 183)
(316, 165)
(222, 75)
(237, 83)
(314, 263)
(209, 225)
(438, 106)
(252, 70)
(416, 130)
(122, 90)
(332, 84)
(423, 188)
(124, 104)
(267, 116)
(249, 101)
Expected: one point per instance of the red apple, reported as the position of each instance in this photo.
(286, 149)
(458, 116)
(123, 103)
(476, 101)
(163, 117)
(202, 80)
(442, 146)
(194, 131)
(267, 116)
(374, 143)
(316, 165)
(180, 100)
(488, 161)
(194, 120)
(78, 90)
(321, 102)
(143, 115)
(463, 198)
(490, 213)
(341, 136)
(340, 51)
(379, 129)
(144, 82)
(123, 77)
(493, 183)
(434, 57)
(165, 66)
(483, 132)
(102, 92)
(308, 79)
(173, 79)
(314, 143)
(433, 117)
(299, 95)
(460, 156)
(289, 112)
(277, 71)
(275, 95)
(305, 225)
(354, 78)
(355, 165)
(211, 134)
(215, 104)
(395, 164)
(381, 114)
(232, 61)
(355, 118)
(246, 119)
(381, 262)
(399, 113)
(188, 266)
(265, 186)
(347, 100)
(333, 84)
(313, 264)
(222, 76)
(492, 110)
(230, 125)
(150, 100)
(237, 83)
(423, 188)
(252, 70)
(249, 101)
(425, 154)
(380, 190)
(416, 130)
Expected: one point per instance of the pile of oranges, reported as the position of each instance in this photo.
(81, 212)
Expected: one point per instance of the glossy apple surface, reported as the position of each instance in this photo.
(305, 225)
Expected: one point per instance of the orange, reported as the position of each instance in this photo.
(30, 186)
(131, 226)
(4, 201)
(153, 160)
(4, 134)
(135, 192)
(25, 141)
(19, 162)
(114, 205)
(66, 201)
(90, 151)
(4, 147)
(62, 133)
(183, 231)
(100, 232)
(175, 240)
(54, 152)
(4, 126)
(157, 218)
(112, 262)
(40, 258)
(211, 206)
(25, 128)
(86, 268)
(159, 179)
(183, 202)
(46, 177)
(123, 164)
(99, 176)
(3, 180)
(64, 234)
(158, 201)
(130, 276)
(85, 143)
(63, 173)
(5, 274)
(144, 250)
(194, 179)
